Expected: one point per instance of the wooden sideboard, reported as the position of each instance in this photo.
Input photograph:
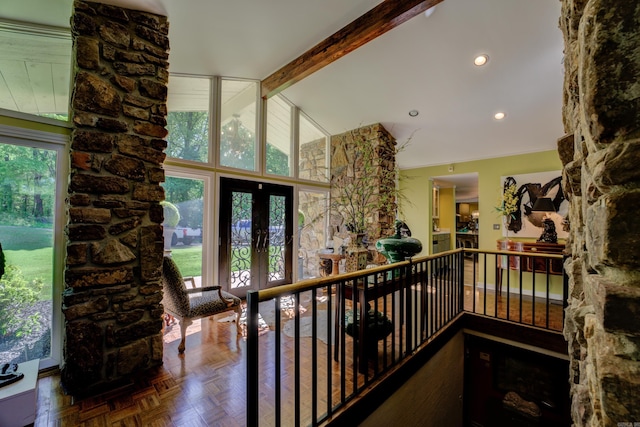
(529, 264)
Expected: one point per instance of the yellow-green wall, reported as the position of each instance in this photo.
(416, 185)
(448, 213)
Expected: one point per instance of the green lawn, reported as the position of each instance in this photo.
(30, 249)
(25, 238)
(189, 258)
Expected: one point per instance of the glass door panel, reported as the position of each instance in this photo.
(256, 232)
(241, 240)
(27, 205)
(276, 241)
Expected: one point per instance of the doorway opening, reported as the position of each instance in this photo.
(462, 217)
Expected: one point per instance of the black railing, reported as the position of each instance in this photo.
(527, 289)
(318, 356)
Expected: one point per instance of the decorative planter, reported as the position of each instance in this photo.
(356, 253)
(397, 248)
(378, 326)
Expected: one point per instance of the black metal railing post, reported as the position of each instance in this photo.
(420, 295)
(252, 359)
(461, 282)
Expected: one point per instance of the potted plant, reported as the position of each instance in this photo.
(171, 219)
(508, 205)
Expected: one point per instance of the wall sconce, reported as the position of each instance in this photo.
(545, 204)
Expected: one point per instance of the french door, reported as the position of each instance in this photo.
(256, 234)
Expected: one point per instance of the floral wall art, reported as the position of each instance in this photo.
(525, 189)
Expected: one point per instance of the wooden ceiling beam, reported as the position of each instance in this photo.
(382, 18)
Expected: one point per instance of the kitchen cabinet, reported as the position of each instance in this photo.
(440, 242)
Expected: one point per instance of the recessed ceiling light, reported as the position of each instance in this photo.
(481, 60)
(499, 115)
(414, 113)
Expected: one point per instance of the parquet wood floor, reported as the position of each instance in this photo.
(206, 385)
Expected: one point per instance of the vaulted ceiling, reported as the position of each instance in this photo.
(424, 64)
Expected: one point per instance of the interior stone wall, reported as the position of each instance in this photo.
(600, 154)
(343, 164)
(313, 157)
(112, 298)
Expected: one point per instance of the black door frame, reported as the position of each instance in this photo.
(260, 235)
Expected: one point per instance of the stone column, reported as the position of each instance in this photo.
(345, 166)
(600, 154)
(111, 301)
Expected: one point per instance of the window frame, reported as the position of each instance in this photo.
(59, 143)
(258, 161)
(209, 230)
(293, 138)
(213, 108)
(327, 158)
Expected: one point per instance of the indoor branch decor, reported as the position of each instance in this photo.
(364, 176)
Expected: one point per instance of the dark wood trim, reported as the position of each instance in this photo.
(382, 18)
(523, 334)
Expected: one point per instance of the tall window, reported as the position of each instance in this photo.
(312, 148)
(184, 227)
(238, 124)
(188, 118)
(28, 218)
(312, 229)
(35, 69)
(279, 136)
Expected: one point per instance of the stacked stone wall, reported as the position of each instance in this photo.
(343, 164)
(112, 298)
(312, 163)
(600, 154)
(346, 166)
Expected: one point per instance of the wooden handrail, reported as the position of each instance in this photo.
(309, 284)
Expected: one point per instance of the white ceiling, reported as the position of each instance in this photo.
(424, 64)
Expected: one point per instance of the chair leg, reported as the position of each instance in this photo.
(184, 324)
